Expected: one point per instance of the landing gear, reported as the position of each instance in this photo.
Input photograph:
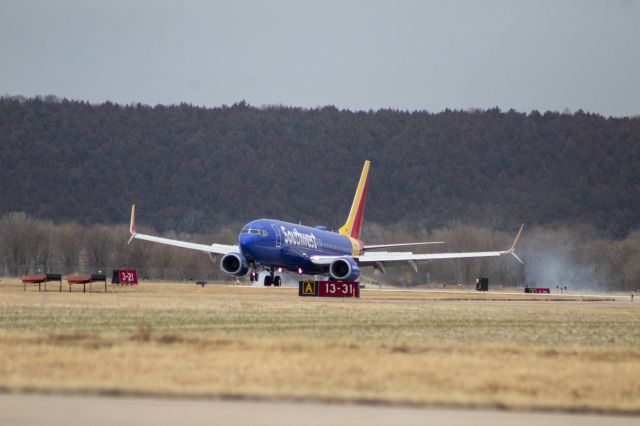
(268, 280)
(272, 279)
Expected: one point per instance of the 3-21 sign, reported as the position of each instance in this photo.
(125, 277)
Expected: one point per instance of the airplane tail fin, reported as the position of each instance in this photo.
(353, 224)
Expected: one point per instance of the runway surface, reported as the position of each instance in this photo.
(569, 295)
(54, 410)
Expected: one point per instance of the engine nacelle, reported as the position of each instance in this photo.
(234, 264)
(344, 269)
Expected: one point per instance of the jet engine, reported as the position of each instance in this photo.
(344, 269)
(234, 264)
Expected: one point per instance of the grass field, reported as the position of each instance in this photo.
(517, 352)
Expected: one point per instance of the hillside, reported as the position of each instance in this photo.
(192, 169)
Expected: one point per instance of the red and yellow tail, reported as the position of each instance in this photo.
(354, 222)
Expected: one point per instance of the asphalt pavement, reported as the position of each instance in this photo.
(58, 410)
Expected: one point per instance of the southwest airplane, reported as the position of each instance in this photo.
(275, 247)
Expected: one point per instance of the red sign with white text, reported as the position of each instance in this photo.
(338, 289)
(537, 290)
(125, 277)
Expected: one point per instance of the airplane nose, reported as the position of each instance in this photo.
(244, 240)
(247, 243)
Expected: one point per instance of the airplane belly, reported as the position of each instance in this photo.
(292, 259)
(266, 255)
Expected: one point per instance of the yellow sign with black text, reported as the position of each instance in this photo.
(308, 288)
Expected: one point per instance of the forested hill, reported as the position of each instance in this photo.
(191, 169)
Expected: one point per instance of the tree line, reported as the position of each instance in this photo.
(196, 170)
(554, 255)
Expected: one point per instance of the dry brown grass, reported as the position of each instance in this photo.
(423, 348)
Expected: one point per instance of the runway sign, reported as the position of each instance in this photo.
(124, 277)
(537, 290)
(308, 288)
(329, 289)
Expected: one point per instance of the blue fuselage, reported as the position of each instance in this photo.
(273, 243)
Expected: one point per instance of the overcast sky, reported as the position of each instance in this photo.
(409, 55)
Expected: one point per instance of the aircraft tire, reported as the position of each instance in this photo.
(267, 281)
(277, 281)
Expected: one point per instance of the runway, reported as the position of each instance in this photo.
(373, 288)
(54, 410)
(505, 293)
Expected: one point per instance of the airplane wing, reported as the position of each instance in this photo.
(376, 258)
(213, 248)
(379, 246)
(372, 258)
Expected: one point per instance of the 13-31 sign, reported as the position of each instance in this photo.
(329, 288)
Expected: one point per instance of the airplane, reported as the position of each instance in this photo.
(277, 247)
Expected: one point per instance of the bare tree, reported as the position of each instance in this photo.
(99, 245)
(554, 254)
(627, 275)
(67, 242)
(25, 243)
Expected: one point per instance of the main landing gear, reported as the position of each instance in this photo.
(267, 275)
(272, 279)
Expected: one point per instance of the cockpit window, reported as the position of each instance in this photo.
(254, 231)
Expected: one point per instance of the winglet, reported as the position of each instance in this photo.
(513, 246)
(132, 224)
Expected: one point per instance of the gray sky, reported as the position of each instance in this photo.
(352, 54)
